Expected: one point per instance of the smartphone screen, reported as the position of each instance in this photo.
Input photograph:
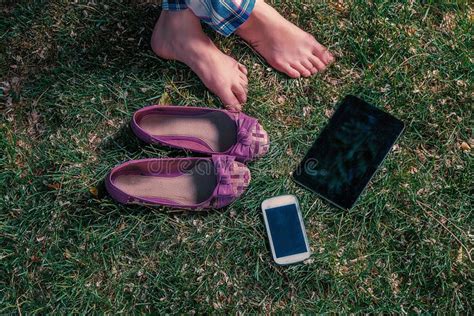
(349, 150)
(285, 230)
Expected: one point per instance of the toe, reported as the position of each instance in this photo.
(243, 69)
(243, 78)
(317, 63)
(286, 68)
(245, 87)
(308, 65)
(323, 54)
(289, 70)
(292, 72)
(244, 83)
(240, 93)
(301, 69)
(227, 97)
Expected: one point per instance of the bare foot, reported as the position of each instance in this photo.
(286, 47)
(178, 36)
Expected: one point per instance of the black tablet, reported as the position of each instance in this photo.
(348, 151)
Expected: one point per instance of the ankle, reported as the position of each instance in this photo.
(256, 18)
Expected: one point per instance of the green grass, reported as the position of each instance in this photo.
(74, 73)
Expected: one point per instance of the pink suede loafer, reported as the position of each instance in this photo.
(187, 183)
(204, 130)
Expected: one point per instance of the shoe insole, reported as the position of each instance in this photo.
(192, 187)
(216, 129)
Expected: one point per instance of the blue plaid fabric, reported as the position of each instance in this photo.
(174, 5)
(224, 16)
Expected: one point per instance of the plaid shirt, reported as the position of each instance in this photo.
(224, 16)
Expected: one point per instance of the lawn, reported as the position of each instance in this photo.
(73, 72)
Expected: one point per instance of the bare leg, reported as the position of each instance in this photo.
(286, 47)
(178, 36)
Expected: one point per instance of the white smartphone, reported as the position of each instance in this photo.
(285, 229)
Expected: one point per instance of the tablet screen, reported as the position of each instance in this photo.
(349, 150)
